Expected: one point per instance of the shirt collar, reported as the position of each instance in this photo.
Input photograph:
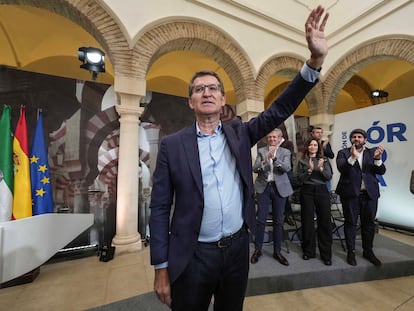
(216, 131)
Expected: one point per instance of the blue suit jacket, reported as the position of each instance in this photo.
(177, 200)
(349, 184)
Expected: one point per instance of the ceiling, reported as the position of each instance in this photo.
(37, 40)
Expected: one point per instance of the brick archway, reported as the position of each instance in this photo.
(281, 65)
(287, 66)
(96, 21)
(192, 36)
(371, 52)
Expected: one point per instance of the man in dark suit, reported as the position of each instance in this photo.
(317, 133)
(359, 191)
(202, 200)
(272, 187)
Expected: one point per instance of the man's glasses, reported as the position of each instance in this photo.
(213, 88)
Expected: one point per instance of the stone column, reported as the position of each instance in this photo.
(127, 239)
(247, 110)
(153, 132)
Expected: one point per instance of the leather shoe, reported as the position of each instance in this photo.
(289, 220)
(327, 262)
(371, 258)
(256, 255)
(350, 259)
(279, 257)
(307, 257)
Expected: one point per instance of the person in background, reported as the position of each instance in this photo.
(272, 187)
(314, 170)
(202, 203)
(359, 192)
(317, 133)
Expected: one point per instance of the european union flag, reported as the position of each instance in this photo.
(40, 172)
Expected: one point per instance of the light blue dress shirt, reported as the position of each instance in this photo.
(223, 193)
(222, 188)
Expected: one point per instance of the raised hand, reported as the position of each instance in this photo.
(271, 153)
(315, 36)
(311, 166)
(354, 150)
(320, 163)
(378, 152)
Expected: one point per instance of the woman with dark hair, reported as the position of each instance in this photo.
(313, 171)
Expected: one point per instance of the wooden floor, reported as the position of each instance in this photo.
(86, 283)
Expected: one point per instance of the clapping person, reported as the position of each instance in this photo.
(317, 133)
(273, 188)
(313, 172)
(359, 191)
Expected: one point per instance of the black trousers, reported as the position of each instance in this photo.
(214, 271)
(314, 199)
(366, 209)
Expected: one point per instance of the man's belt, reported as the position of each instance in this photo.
(226, 241)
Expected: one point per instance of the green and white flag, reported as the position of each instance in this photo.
(6, 166)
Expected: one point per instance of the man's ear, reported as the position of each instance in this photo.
(223, 101)
(190, 104)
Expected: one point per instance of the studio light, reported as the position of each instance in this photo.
(379, 94)
(93, 59)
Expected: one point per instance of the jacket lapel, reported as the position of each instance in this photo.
(232, 141)
(189, 141)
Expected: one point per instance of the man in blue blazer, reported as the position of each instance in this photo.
(359, 191)
(202, 201)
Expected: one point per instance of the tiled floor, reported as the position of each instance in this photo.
(86, 283)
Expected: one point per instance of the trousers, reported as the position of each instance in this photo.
(314, 200)
(218, 270)
(270, 197)
(366, 209)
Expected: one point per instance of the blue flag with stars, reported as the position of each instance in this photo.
(40, 173)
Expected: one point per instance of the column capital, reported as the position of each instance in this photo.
(323, 120)
(126, 109)
(129, 85)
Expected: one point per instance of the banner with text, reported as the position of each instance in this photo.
(391, 125)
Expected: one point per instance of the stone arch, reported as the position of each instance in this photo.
(287, 66)
(102, 126)
(95, 20)
(282, 65)
(380, 49)
(199, 37)
(360, 91)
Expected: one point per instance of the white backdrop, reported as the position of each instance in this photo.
(392, 125)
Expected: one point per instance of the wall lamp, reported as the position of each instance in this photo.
(93, 59)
